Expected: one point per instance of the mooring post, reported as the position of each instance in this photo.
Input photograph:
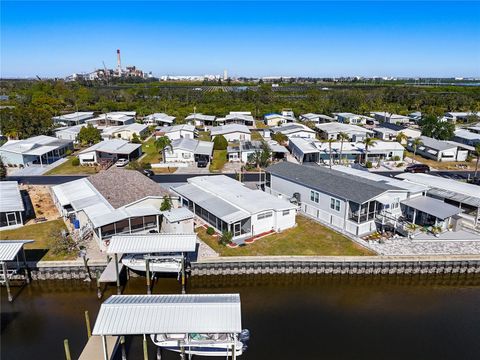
(159, 353)
(183, 273)
(87, 324)
(182, 351)
(234, 355)
(145, 348)
(99, 290)
(147, 269)
(7, 281)
(124, 350)
(83, 253)
(67, 350)
(105, 349)
(115, 258)
(27, 272)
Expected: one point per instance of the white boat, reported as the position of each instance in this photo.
(203, 344)
(161, 264)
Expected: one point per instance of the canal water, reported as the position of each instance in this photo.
(290, 317)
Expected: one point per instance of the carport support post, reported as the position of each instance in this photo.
(147, 269)
(115, 258)
(27, 274)
(105, 350)
(234, 355)
(145, 348)
(183, 273)
(7, 282)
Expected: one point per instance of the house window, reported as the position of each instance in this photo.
(268, 180)
(314, 196)
(335, 204)
(286, 212)
(264, 215)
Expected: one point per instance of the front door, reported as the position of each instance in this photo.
(237, 229)
(11, 219)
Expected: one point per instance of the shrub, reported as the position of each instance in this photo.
(220, 143)
(166, 204)
(226, 238)
(68, 152)
(146, 165)
(396, 158)
(400, 164)
(210, 231)
(75, 161)
(368, 165)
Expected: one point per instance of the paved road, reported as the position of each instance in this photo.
(180, 178)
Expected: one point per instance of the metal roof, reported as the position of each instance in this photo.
(10, 197)
(76, 116)
(288, 129)
(196, 146)
(37, 145)
(201, 117)
(178, 214)
(432, 206)
(174, 128)
(159, 314)
(152, 243)
(332, 182)
(335, 127)
(114, 146)
(435, 144)
(10, 248)
(160, 117)
(122, 214)
(228, 129)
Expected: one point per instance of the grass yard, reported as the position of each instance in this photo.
(204, 135)
(260, 124)
(308, 238)
(168, 170)
(41, 234)
(152, 155)
(448, 165)
(68, 169)
(218, 161)
(256, 136)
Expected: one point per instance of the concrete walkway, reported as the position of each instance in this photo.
(35, 170)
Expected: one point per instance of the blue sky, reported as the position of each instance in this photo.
(380, 38)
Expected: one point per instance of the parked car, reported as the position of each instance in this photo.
(417, 168)
(121, 162)
(201, 163)
(148, 172)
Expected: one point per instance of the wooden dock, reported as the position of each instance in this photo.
(109, 274)
(94, 348)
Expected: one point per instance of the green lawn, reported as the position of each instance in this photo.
(219, 160)
(68, 169)
(307, 238)
(41, 234)
(152, 155)
(260, 124)
(256, 136)
(204, 135)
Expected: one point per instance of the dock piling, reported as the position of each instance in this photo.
(25, 264)
(67, 350)
(159, 353)
(145, 348)
(117, 274)
(183, 273)
(99, 290)
(7, 281)
(124, 350)
(147, 268)
(87, 324)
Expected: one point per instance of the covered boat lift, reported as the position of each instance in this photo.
(148, 244)
(122, 315)
(9, 252)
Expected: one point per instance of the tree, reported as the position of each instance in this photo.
(261, 158)
(368, 142)
(166, 204)
(343, 137)
(435, 128)
(415, 144)
(135, 139)
(330, 141)
(3, 170)
(89, 135)
(280, 138)
(477, 153)
(162, 144)
(401, 137)
(226, 238)
(220, 143)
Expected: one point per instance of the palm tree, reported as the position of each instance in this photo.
(342, 137)
(477, 153)
(401, 137)
(415, 144)
(330, 141)
(162, 143)
(368, 142)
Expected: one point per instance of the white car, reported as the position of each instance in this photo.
(121, 162)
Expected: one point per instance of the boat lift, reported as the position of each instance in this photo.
(127, 315)
(11, 263)
(162, 243)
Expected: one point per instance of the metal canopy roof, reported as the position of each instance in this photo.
(159, 314)
(433, 207)
(178, 214)
(10, 199)
(10, 248)
(152, 243)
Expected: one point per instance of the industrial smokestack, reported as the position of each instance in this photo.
(119, 63)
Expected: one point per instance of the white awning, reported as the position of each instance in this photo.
(432, 206)
(160, 314)
(10, 248)
(152, 243)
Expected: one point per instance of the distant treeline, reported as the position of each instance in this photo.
(35, 102)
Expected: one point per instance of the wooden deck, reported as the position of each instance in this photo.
(94, 348)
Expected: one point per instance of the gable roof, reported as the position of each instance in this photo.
(228, 129)
(114, 146)
(336, 183)
(196, 146)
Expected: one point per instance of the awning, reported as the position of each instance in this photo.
(385, 199)
(152, 243)
(160, 314)
(454, 196)
(432, 206)
(10, 248)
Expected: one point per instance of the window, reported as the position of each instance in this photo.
(314, 196)
(286, 212)
(335, 204)
(268, 180)
(264, 215)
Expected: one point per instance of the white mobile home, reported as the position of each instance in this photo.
(438, 150)
(333, 130)
(316, 118)
(386, 117)
(125, 132)
(231, 132)
(69, 133)
(201, 120)
(175, 132)
(116, 118)
(228, 205)
(12, 209)
(354, 119)
(160, 119)
(294, 130)
(189, 151)
(108, 151)
(73, 119)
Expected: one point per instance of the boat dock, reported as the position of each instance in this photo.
(94, 347)
(109, 275)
